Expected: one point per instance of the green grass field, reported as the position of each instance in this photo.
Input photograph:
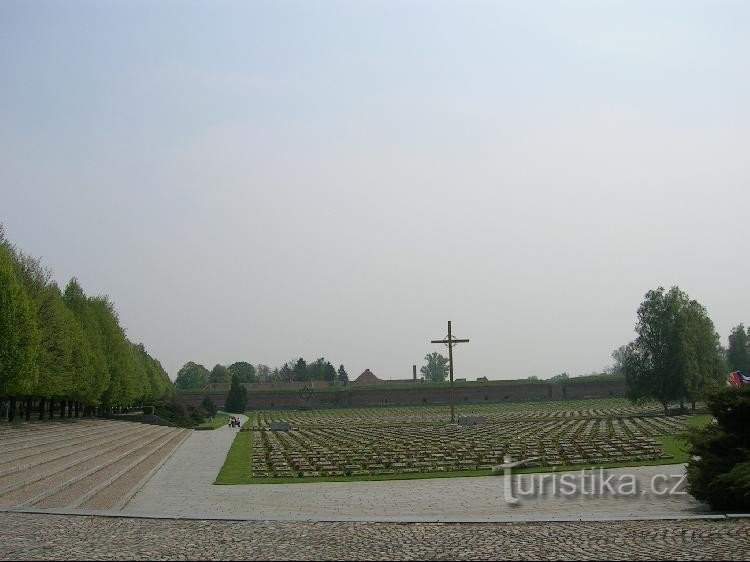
(358, 444)
(218, 420)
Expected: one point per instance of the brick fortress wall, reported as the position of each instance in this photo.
(351, 396)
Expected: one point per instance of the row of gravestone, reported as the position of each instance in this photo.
(318, 452)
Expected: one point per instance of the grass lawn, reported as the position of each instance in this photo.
(699, 421)
(218, 421)
(236, 469)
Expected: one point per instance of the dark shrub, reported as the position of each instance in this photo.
(719, 472)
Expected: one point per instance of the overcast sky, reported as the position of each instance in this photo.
(263, 180)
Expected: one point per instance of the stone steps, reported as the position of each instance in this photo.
(79, 489)
(59, 475)
(116, 493)
(12, 479)
(23, 438)
(85, 464)
(40, 454)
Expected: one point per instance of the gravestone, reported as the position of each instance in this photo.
(471, 420)
(280, 426)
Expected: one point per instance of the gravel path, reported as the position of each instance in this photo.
(64, 537)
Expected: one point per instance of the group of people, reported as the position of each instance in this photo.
(234, 422)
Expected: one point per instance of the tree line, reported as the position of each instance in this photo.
(63, 352)
(677, 356)
(194, 376)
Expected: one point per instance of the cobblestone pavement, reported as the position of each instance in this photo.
(66, 537)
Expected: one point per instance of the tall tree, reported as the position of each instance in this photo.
(676, 353)
(236, 401)
(220, 374)
(192, 377)
(125, 381)
(702, 358)
(245, 371)
(738, 354)
(321, 370)
(263, 372)
(286, 373)
(436, 369)
(343, 376)
(63, 371)
(329, 372)
(19, 335)
(299, 371)
(93, 349)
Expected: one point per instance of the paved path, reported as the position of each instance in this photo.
(63, 537)
(184, 487)
(187, 477)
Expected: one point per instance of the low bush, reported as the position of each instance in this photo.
(719, 471)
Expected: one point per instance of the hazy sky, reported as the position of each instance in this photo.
(263, 180)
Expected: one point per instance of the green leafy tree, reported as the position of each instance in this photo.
(91, 352)
(299, 371)
(562, 377)
(125, 379)
(676, 354)
(75, 349)
(192, 376)
(618, 355)
(245, 371)
(19, 335)
(209, 406)
(321, 370)
(436, 369)
(219, 374)
(719, 470)
(236, 401)
(329, 372)
(343, 376)
(263, 372)
(738, 353)
(286, 373)
(702, 357)
(60, 373)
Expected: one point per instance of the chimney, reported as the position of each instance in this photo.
(414, 372)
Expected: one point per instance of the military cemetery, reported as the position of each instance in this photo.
(374, 280)
(373, 442)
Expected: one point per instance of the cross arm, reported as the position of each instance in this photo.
(454, 340)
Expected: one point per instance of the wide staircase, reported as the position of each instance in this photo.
(80, 464)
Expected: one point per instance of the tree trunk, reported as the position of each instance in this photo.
(29, 404)
(666, 408)
(51, 408)
(78, 409)
(693, 406)
(41, 408)
(70, 409)
(12, 411)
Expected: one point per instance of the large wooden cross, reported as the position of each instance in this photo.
(450, 341)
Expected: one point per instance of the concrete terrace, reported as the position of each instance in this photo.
(80, 464)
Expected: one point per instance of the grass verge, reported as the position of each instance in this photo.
(218, 421)
(237, 469)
